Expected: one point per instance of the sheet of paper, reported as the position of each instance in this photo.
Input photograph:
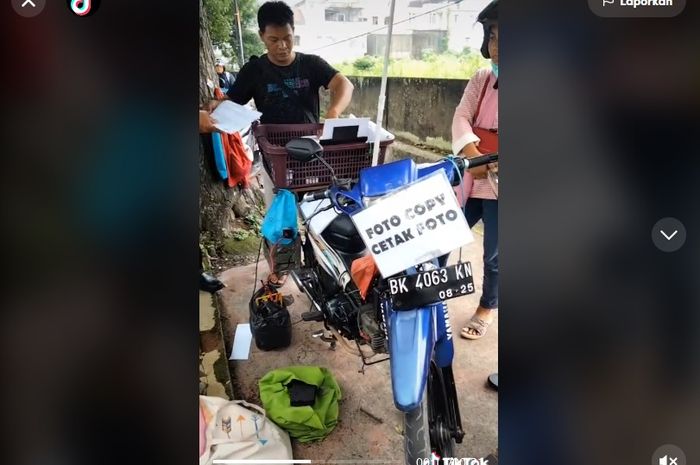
(330, 124)
(241, 342)
(367, 128)
(417, 223)
(372, 130)
(231, 117)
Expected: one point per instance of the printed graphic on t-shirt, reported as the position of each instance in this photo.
(293, 83)
(299, 103)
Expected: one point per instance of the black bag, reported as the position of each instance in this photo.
(301, 394)
(270, 322)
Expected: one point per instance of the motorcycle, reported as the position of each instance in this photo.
(402, 317)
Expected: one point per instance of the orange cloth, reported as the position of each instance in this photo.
(363, 270)
(237, 162)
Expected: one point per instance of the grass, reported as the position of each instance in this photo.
(444, 65)
(247, 246)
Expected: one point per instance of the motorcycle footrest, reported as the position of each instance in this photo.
(313, 315)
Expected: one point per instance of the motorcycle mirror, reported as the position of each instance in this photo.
(303, 149)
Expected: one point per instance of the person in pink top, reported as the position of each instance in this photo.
(475, 132)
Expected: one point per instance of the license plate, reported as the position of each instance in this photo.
(427, 287)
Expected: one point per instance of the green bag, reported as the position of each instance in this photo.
(309, 423)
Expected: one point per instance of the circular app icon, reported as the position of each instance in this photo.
(83, 7)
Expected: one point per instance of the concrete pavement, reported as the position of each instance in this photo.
(358, 435)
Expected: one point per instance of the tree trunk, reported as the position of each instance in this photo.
(219, 205)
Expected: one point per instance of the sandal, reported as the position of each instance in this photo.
(476, 324)
(276, 280)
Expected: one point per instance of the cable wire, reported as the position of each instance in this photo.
(386, 26)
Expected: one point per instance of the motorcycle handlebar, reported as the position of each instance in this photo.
(480, 160)
(461, 162)
(318, 195)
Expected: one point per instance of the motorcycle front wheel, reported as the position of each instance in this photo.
(426, 428)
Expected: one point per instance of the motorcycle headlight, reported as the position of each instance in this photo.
(428, 266)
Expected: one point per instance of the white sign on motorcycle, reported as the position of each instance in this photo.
(413, 225)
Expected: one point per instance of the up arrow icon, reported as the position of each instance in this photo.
(28, 8)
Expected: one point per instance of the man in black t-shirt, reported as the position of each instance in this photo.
(284, 83)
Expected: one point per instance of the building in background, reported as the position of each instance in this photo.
(341, 30)
(456, 20)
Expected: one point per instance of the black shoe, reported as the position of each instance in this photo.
(493, 381)
(208, 283)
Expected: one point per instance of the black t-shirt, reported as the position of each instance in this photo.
(259, 80)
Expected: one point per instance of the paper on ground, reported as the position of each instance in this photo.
(231, 117)
(241, 342)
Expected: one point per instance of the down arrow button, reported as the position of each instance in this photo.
(668, 234)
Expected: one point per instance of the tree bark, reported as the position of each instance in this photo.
(219, 205)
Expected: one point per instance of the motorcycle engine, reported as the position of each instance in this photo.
(357, 322)
(373, 330)
(341, 314)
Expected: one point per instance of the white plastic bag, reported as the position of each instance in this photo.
(237, 430)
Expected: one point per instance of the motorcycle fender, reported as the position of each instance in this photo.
(411, 339)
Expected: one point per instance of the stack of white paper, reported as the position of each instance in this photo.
(330, 124)
(372, 131)
(231, 117)
(366, 128)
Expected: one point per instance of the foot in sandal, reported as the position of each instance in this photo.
(277, 280)
(478, 324)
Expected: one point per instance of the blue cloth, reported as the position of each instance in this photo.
(281, 216)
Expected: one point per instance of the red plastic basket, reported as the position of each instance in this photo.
(346, 159)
